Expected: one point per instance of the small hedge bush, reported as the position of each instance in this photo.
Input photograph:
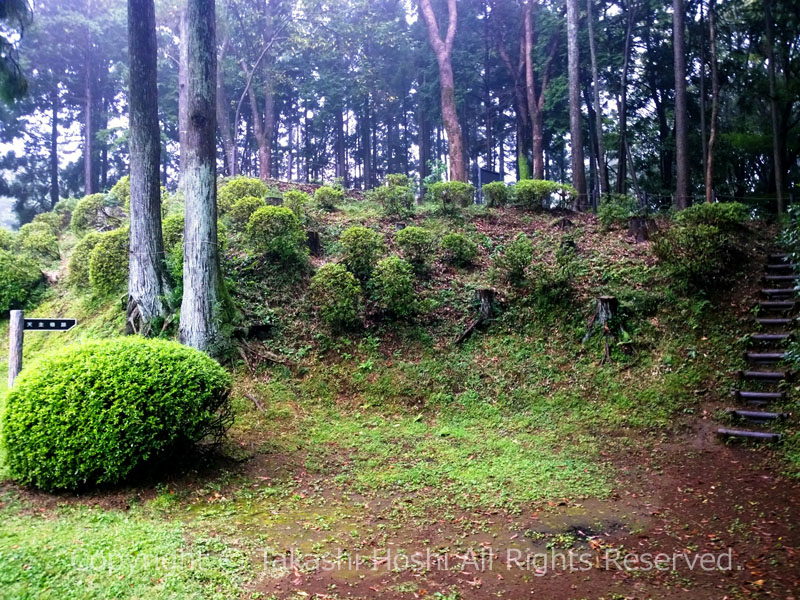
(726, 216)
(459, 249)
(8, 239)
(243, 209)
(53, 221)
(78, 270)
(238, 188)
(514, 259)
(120, 194)
(616, 209)
(328, 197)
(297, 201)
(361, 248)
(65, 206)
(451, 194)
(91, 413)
(396, 197)
(87, 212)
(336, 294)
(38, 241)
(172, 231)
(495, 194)
(536, 193)
(19, 279)
(392, 287)
(417, 245)
(699, 257)
(108, 262)
(276, 231)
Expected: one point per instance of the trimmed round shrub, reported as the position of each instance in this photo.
(65, 206)
(108, 262)
(392, 286)
(514, 260)
(361, 248)
(396, 197)
(616, 209)
(53, 221)
(238, 188)
(451, 194)
(94, 412)
(78, 270)
(8, 239)
(38, 241)
(120, 194)
(243, 209)
(19, 278)
(727, 216)
(297, 201)
(172, 231)
(459, 249)
(336, 294)
(328, 197)
(417, 245)
(538, 193)
(495, 194)
(87, 212)
(276, 231)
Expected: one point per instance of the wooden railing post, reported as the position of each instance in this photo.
(16, 333)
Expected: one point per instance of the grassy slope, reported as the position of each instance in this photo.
(519, 416)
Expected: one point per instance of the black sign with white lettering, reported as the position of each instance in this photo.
(50, 324)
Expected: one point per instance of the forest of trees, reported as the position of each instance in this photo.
(669, 101)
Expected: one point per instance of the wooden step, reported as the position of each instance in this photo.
(764, 375)
(757, 398)
(781, 267)
(771, 292)
(775, 321)
(770, 338)
(779, 278)
(756, 415)
(776, 304)
(764, 357)
(745, 434)
(779, 256)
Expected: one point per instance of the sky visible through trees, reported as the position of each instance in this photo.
(317, 91)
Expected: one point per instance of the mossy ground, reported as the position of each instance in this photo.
(393, 437)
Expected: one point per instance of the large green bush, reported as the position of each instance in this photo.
(120, 194)
(417, 245)
(65, 206)
(297, 201)
(459, 249)
(396, 196)
(392, 287)
(699, 257)
(238, 188)
(172, 231)
(8, 239)
(108, 262)
(38, 241)
(19, 279)
(361, 248)
(537, 193)
(87, 213)
(451, 194)
(616, 209)
(336, 294)
(93, 413)
(78, 270)
(727, 216)
(51, 220)
(276, 231)
(513, 260)
(328, 197)
(243, 209)
(495, 194)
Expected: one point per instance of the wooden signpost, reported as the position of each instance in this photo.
(18, 325)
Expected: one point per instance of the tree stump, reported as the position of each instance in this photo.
(274, 200)
(486, 297)
(564, 224)
(314, 243)
(639, 228)
(605, 311)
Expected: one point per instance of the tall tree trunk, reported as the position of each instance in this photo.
(204, 291)
(54, 103)
(424, 143)
(443, 50)
(537, 131)
(183, 96)
(622, 162)
(601, 147)
(777, 154)
(88, 126)
(712, 138)
(681, 111)
(576, 131)
(224, 118)
(703, 128)
(265, 152)
(147, 276)
(341, 161)
(366, 147)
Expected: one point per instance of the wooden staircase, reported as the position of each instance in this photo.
(761, 384)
